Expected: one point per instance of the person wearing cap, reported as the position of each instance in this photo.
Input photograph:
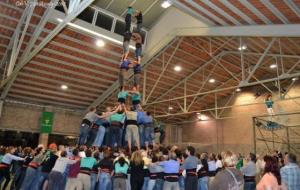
(48, 163)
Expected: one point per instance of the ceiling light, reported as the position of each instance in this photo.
(294, 79)
(166, 4)
(177, 68)
(198, 113)
(273, 66)
(238, 90)
(64, 87)
(170, 108)
(100, 43)
(243, 47)
(95, 33)
(212, 80)
(203, 117)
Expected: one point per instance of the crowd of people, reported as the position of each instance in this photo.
(153, 168)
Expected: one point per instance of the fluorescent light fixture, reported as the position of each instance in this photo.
(273, 66)
(243, 47)
(100, 43)
(238, 90)
(212, 80)
(64, 87)
(165, 4)
(203, 117)
(170, 108)
(177, 68)
(95, 33)
(294, 79)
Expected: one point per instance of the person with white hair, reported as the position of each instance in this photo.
(230, 178)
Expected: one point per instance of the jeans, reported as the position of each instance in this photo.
(106, 137)
(171, 185)
(43, 176)
(151, 184)
(104, 181)
(18, 179)
(142, 135)
(31, 179)
(83, 133)
(93, 181)
(149, 134)
(91, 136)
(159, 184)
(100, 136)
(181, 182)
(127, 22)
(203, 183)
(115, 136)
(249, 186)
(146, 181)
(138, 52)
(56, 181)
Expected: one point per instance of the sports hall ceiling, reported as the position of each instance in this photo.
(72, 58)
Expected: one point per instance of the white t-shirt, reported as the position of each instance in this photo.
(219, 164)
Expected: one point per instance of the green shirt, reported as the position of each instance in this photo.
(123, 94)
(130, 11)
(121, 169)
(117, 117)
(239, 164)
(135, 97)
(1, 157)
(88, 162)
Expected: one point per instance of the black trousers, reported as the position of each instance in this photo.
(127, 23)
(136, 183)
(191, 183)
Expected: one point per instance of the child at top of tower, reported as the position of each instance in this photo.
(128, 19)
(139, 20)
(269, 103)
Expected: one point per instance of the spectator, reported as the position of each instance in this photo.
(249, 172)
(171, 169)
(290, 173)
(190, 165)
(230, 178)
(136, 171)
(203, 172)
(271, 178)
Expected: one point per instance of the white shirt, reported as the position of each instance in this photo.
(61, 164)
(219, 164)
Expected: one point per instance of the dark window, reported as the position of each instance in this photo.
(14, 138)
(87, 15)
(120, 27)
(104, 21)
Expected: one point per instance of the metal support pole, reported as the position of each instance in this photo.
(281, 60)
(216, 105)
(278, 81)
(1, 107)
(184, 108)
(242, 61)
(273, 143)
(254, 135)
(288, 139)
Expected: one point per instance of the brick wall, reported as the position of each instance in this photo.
(26, 118)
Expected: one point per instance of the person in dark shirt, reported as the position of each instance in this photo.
(47, 165)
(106, 167)
(20, 174)
(95, 171)
(139, 20)
(128, 19)
(136, 171)
(203, 172)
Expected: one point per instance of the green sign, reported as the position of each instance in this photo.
(47, 122)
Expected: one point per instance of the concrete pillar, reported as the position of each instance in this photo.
(43, 139)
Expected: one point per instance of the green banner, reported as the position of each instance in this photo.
(47, 122)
